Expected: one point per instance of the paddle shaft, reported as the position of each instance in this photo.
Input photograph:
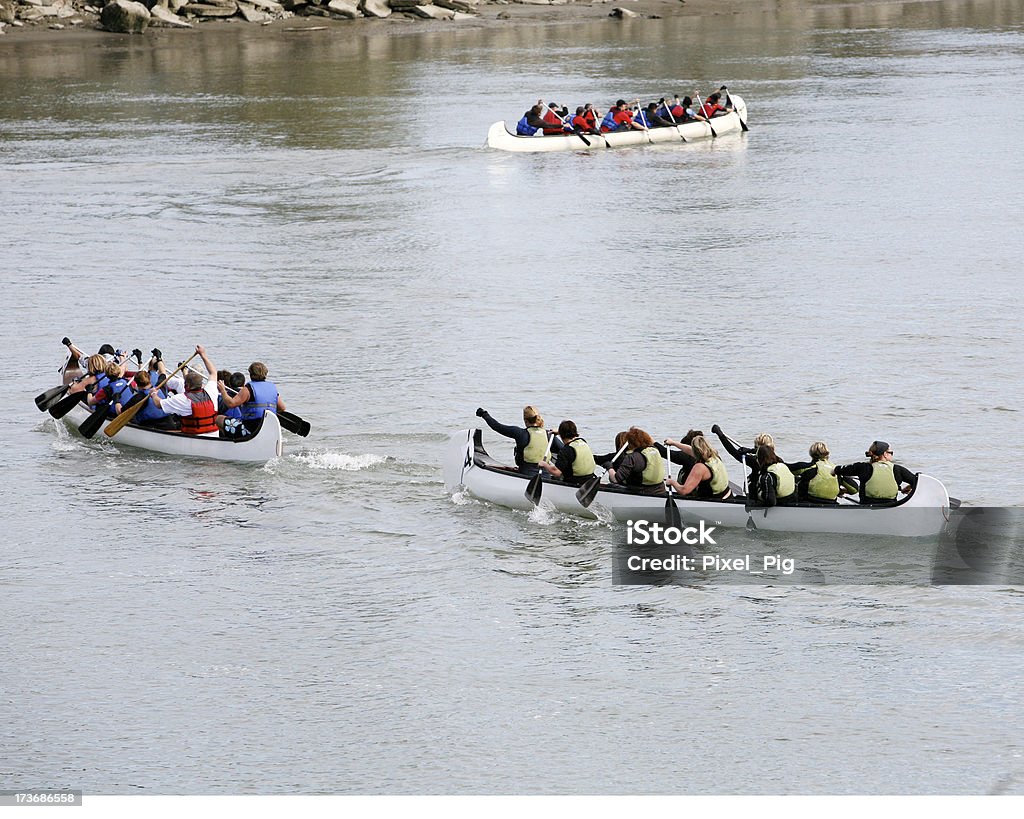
(125, 417)
(703, 109)
(535, 487)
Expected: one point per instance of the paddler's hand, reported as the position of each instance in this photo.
(480, 412)
(157, 355)
(716, 429)
(66, 341)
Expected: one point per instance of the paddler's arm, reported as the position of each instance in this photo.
(232, 401)
(739, 453)
(206, 360)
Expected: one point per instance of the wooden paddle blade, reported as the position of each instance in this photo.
(91, 425)
(534, 489)
(586, 493)
(46, 399)
(123, 419)
(66, 404)
(672, 518)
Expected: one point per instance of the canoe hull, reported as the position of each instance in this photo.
(260, 448)
(467, 466)
(501, 138)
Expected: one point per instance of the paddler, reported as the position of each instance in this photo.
(816, 480)
(195, 407)
(575, 462)
(708, 477)
(531, 440)
(776, 483)
(880, 478)
(532, 122)
(255, 398)
(642, 467)
(746, 455)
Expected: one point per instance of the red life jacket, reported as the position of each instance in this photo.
(555, 126)
(581, 122)
(203, 413)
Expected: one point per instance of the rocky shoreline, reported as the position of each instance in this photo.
(136, 16)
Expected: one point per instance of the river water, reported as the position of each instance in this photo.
(333, 621)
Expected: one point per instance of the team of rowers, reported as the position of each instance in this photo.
(639, 463)
(554, 120)
(223, 402)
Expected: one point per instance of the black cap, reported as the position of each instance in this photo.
(878, 448)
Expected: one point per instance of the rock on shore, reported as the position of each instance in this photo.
(135, 16)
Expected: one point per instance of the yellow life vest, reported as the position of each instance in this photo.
(584, 463)
(824, 485)
(882, 483)
(534, 451)
(719, 475)
(786, 484)
(654, 472)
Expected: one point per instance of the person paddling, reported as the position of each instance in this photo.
(879, 477)
(531, 440)
(816, 481)
(254, 399)
(776, 483)
(531, 122)
(575, 462)
(196, 407)
(708, 477)
(642, 467)
(746, 455)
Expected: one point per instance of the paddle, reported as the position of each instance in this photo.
(535, 487)
(126, 416)
(588, 491)
(672, 519)
(704, 110)
(728, 104)
(574, 131)
(288, 420)
(47, 399)
(91, 425)
(597, 126)
(50, 397)
(643, 122)
(668, 110)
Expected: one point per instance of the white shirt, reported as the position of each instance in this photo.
(181, 405)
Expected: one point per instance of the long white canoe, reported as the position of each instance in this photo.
(258, 448)
(500, 136)
(467, 466)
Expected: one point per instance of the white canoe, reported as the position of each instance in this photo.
(468, 466)
(499, 136)
(258, 448)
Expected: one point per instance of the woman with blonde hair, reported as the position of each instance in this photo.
(642, 467)
(531, 439)
(708, 477)
(816, 482)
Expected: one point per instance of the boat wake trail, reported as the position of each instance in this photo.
(328, 459)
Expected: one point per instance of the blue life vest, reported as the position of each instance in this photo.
(609, 122)
(222, 408)
(523, 128)
(101, 382)
(262, 397)
(119, 392)
(149, 412)
(154, 379)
